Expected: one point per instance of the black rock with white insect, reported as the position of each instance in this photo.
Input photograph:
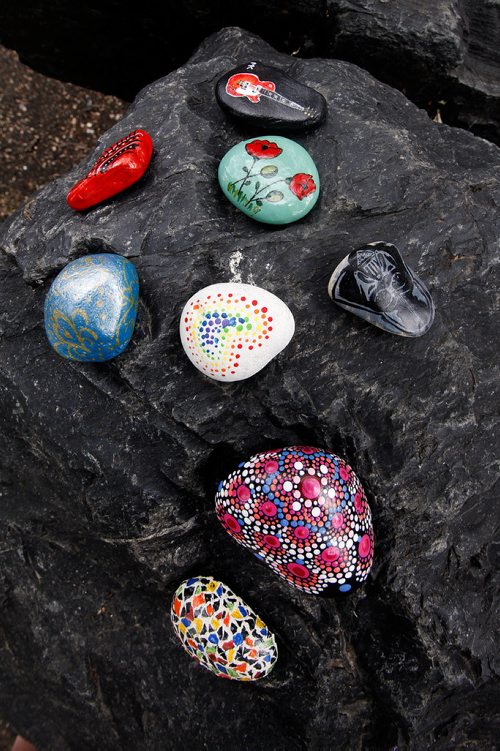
(376, 284)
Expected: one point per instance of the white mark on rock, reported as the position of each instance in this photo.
(234, 265)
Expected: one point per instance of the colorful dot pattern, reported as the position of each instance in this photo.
(304, 512)
(219, 630)
(221, 327)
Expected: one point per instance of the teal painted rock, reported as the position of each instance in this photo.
(91, 307)
(271, 179)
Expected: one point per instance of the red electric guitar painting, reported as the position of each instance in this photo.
(250, 86)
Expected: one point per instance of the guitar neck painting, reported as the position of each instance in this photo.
(250, 86)
(267, 96)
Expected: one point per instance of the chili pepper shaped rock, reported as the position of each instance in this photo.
(118, 167)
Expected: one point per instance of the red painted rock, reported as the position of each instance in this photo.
(117, 168)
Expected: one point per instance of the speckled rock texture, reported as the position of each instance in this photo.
(109, 471)
(46, 127)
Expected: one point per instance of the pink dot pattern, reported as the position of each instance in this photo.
(304, 512)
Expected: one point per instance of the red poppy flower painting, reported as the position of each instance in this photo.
(302, 185)
(262, 149)
(268, 167)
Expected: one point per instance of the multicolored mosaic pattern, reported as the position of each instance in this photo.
(218, 629)
(231, 331)
(303, 511)
(91, 307)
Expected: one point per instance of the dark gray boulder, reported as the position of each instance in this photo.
(108, 472)
(444, 54)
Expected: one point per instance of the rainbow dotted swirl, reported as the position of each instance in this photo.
(220, 326)
(303, 511)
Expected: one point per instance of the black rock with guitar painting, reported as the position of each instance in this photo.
(261, 95)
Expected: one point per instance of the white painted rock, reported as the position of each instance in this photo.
(221, 631)
(231, 331)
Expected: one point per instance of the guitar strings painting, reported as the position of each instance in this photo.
(260, 94)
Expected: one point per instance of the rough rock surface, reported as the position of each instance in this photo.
(46, 127)
(445, 54)
(109, 471)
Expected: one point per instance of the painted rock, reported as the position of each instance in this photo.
(231, 331)
(303, 511)
(91, 307)
(271, 179)
(117, 168)
(375, 283)
(218, 629)
(268, 97)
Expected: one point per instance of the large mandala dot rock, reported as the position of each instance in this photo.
(231, 331)
(91, 307)
(222, 632)
(303, 511)
(271, 179)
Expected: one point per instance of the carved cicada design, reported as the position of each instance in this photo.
(376, 284)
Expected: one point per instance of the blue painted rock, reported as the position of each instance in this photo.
(231, 331)
(376, 284)
(218, 629)
(302, 511)
(263, 96)
(91, 307)
(271, 179)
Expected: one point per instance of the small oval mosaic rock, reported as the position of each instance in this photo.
(303, 511)
(91, 307)
(231, 331)
(271, 179)
(222, 632)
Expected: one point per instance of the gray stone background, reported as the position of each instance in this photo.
(98, 527)
(46, 126)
